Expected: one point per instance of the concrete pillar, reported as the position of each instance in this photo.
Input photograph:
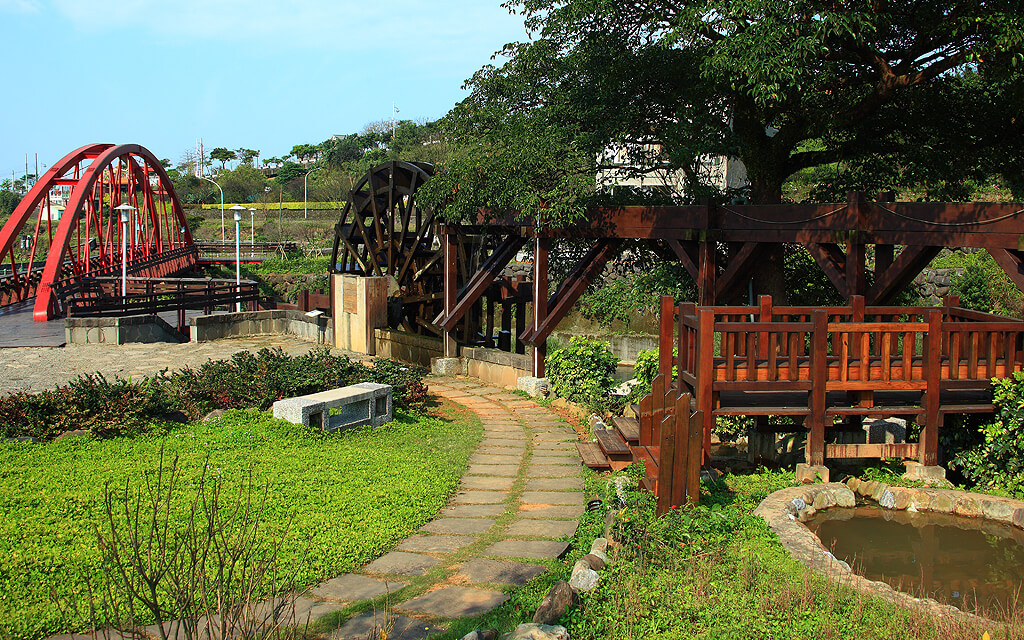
(359, 306)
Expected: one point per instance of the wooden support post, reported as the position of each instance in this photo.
(541, 246)
(451, 286)
(819, 377)
(707, 273)
(705, 375)
(665, 336)
(929, 447)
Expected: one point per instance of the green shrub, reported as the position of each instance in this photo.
(582, 372)
(645, 369)
(248, 380)
(624, 299)
(998, 462)
(406, 380)
(91, 403)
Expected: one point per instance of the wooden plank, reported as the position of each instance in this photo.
(932, 373)
(872, 451)
(611, 442)
(666, 463)
(646, 457)
(592, 455)
(695, 454)
(629, 428)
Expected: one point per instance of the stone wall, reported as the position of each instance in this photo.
(129, 329)
(933, 284)
(254, 323)
(407, 347)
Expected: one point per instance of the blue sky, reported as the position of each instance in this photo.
(261, 74)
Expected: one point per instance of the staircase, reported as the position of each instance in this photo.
(614, 448)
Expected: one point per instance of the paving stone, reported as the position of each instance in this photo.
(484, 571)
(455, 602)
(473, 511)
(552, 471)
(490, 483)
(401, 562)
(536, 549)
(459, 526)
(307, 610)
(505, 458)
(555, 446)
(567, 511)
(493, 470)
(553, 497)
(569, 459)
(503, 443)
(436, 544)
(371, 625)
(352, 588)
(542, 528)
(554, 484)
(480, 497)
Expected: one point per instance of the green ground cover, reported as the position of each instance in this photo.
(349, 497)
(714, 571)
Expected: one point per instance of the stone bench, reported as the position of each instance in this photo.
(363, 403)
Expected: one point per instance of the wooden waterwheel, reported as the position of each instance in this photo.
(384, 232)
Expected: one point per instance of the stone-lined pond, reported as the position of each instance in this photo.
(970, 563)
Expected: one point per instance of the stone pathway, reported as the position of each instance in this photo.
(520, 497)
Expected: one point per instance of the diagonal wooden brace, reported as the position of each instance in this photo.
(902, 272)
(832, 261)
(482, 279)
(572, 288)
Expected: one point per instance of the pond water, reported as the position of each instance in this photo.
(974, 564)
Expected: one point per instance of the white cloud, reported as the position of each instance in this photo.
(19, 6)
(419, 27)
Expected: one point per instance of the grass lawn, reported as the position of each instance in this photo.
(350, 497)
(715, 571)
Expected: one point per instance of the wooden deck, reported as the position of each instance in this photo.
(828, 367)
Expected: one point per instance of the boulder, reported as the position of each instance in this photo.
(555, 604)
(583, 578)
(532, 631)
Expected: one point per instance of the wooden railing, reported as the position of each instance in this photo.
(827, 364)
(148, 296)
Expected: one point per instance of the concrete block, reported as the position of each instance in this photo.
(808, 474)
(886, 431)
(446, 366)
(916, 471)
(363, 403)
(536, 387)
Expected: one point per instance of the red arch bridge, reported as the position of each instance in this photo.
(61, 249)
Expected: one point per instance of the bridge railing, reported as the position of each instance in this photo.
(262, 249)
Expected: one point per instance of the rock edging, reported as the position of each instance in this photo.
(785, 511)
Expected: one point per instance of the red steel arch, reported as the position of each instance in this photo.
(86, 240)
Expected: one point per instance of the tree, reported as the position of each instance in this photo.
(248, 156)
(223, 155)
(783, 86)
(303, 152)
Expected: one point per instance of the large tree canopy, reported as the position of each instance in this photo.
(783, 86)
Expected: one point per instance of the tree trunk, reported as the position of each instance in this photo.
(769, 277)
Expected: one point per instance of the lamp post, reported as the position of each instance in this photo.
(252, 226)
(126, 211)
(237, 214)
(222, 239)
(305, 210)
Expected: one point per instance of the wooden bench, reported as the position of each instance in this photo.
(363, 403)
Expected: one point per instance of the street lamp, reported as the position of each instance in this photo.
(305, 211)
(222, 239)
(126, 211)
(237, 214)
(252, 223)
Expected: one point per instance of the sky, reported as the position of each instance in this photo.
(259, 74)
